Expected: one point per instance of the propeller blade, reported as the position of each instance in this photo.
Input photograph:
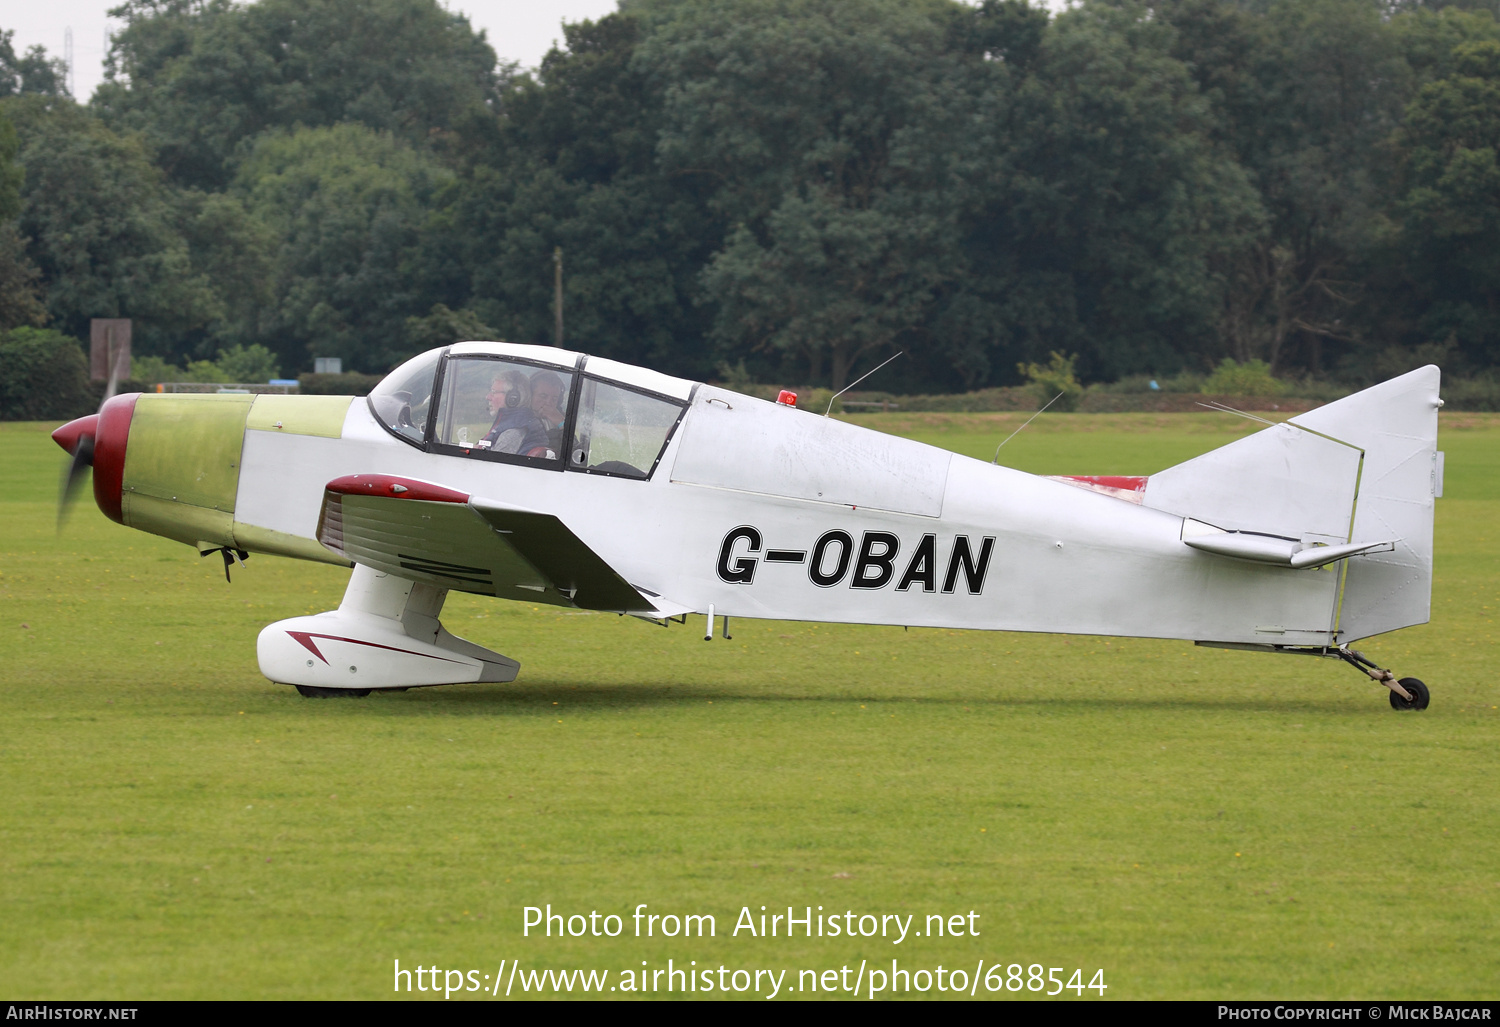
(114, 381)
(82, 458)
(77, 437)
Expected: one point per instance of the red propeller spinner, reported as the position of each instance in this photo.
(99, 440)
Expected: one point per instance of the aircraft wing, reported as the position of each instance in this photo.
(425, 532)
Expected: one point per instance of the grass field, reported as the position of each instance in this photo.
(1197, 823)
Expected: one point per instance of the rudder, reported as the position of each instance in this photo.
(1362, 469)
(1396, 425)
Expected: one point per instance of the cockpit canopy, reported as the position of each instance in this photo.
(533, 405)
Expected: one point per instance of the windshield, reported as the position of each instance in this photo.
(620, 431)
(492, 406)
(402, 400)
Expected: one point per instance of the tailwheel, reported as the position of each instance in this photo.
(314, 692)
(1416, 698)
(1419, 695)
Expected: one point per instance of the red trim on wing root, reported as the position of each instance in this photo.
(391, 486)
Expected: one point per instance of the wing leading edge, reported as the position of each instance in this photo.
(425, 532)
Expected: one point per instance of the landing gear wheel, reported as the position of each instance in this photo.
(314, 692)
(1419, 696)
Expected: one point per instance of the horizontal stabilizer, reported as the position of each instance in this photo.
(1245, 546)
(1281, 552)
(1322, 556)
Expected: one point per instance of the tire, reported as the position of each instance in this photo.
(314, 692)
(1419, 696)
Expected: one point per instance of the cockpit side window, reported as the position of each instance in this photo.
(620, 431)
(503, 409)
(401, 402)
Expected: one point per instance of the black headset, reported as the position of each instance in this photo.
(513, 396)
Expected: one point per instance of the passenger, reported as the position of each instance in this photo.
(517, 429)
(547, 391)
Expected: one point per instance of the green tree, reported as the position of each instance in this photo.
(253, 363)
(1251, 378)
(20, 293)
(444, 327)
(202, 78)
(573, 166)
(791, 187)
(104, 228)
(823, 130)
(1450, 209)
(344, 206)
(206, 372)
(31, 72)
(1305, 94)
(1055, 382)
(11, 172)
(1428, 34)
(830, 283)
(152, 369)
(20, 283)
(43, 376)
(235, 252)
(1102, 202)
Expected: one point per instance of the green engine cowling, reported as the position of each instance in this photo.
(182, 466)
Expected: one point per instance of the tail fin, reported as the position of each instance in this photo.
(1362, 469)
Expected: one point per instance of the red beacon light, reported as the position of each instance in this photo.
(787, 398)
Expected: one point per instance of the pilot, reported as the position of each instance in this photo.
(517, 428)
(546, 402)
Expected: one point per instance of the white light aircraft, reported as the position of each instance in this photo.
(546, 476)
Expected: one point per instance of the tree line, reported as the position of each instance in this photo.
(776, 189)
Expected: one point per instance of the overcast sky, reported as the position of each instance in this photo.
(519, 30)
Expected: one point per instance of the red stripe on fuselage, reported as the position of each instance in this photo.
(1124, 482)
(306, 639)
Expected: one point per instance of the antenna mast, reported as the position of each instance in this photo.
(1028, 420)
(557, 337)
(846, 388)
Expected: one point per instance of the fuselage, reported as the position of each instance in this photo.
(755, 509)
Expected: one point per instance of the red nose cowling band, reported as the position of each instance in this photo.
(110, 437)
